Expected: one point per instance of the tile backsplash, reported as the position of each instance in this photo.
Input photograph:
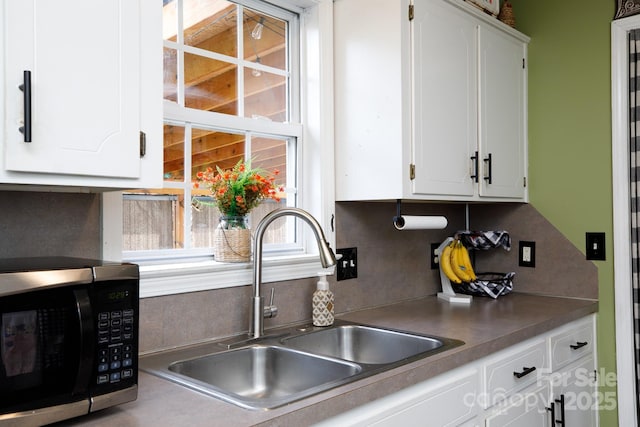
(49, 224)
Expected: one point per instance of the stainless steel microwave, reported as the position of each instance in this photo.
(68, 338)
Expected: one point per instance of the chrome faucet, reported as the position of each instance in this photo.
(327, 259)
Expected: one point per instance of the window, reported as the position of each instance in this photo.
(309, 157)
(231, 93)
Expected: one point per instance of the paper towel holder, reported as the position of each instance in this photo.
(398, 220)
(436, 222)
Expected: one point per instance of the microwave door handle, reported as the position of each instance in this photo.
(87, 340)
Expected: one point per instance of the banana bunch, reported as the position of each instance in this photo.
(456, 263)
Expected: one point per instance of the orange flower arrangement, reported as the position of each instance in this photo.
(238, 190)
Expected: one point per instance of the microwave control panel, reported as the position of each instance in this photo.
(116, 317)
(115, 346)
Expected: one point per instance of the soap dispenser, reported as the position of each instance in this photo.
(322, 304)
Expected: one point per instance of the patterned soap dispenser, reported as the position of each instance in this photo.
(322, 303)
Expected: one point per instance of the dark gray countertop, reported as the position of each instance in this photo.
(486, 326)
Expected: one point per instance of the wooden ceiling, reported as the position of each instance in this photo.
(213, 85)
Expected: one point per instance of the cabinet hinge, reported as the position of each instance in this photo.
(410, 12)
(412, 171)
(143, 144)
(523, 63)
(524, 182)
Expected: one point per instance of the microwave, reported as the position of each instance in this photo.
(68, 338)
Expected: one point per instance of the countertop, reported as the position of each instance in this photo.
(486, 326)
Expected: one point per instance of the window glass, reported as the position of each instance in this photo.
(210, 85)
(173, 153)
(224, 78)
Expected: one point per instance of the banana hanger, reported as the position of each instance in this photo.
(447, 293)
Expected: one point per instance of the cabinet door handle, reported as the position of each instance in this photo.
(474, 158)
(488, 176)
(525, 371)
(561, 402)
(552, 409)
(578, 345)
(25, 87)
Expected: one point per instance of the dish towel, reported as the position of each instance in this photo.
(485, 239)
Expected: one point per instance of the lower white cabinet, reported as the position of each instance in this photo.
(528, 408)
(447, 400)
(574, 394)
(573, 374)
(512, 370)
(545, 381)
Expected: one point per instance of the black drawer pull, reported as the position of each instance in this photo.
(526, 371)
(26, 89)
(578, 345)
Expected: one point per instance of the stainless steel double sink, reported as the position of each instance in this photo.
(293, 363)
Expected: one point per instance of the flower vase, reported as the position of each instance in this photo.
(232, 239)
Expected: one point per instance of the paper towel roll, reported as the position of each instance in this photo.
(408, 222)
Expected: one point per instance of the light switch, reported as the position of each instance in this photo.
(595, 246)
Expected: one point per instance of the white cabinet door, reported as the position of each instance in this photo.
(575, 394)
(526, 409)
(444, 98)
(89, 78)
(446, 400)
(502, 115)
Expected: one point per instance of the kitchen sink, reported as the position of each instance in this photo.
(364, 344)
(291, 363)
(262, 376)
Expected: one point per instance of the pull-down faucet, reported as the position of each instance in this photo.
(327, 259)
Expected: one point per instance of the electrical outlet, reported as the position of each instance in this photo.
(527, 254)
(348, 264)
(595, 248)
(434, 264)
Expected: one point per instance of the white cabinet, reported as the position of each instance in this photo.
(528, 410)
(525, 385)
(513, 370)
(85, 80)
(573, 377)
(433, 102)
(502, 134)
(445, 97)
(447, 400)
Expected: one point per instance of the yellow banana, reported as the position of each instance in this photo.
(466, 262)
(445, 263)
(457, 263)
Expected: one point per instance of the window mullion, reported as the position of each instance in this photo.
(186, 184)
(240, 69)
(180, 89)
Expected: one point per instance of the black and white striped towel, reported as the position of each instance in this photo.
(485, 239)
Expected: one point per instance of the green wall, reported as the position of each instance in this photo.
(570, 134)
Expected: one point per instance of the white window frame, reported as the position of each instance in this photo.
(315, 190)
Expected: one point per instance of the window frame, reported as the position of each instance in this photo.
(316, 179)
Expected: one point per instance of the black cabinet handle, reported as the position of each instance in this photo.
(526, 371)
(552, 409)
(578, 345)
(489, 175)
(474, 158)
(561, 402)
(25, 87)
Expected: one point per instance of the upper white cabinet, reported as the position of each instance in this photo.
(82, 91)
(431, 99)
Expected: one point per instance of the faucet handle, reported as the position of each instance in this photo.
(270, 310)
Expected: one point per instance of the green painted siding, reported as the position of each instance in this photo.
(570, 134)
